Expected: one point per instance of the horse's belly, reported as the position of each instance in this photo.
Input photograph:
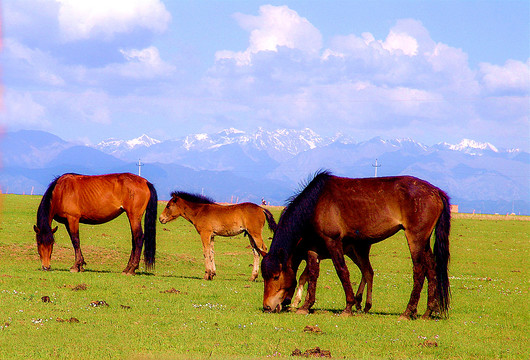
(100, 217)
(231, 230)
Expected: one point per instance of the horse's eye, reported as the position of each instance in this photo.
(276, 277)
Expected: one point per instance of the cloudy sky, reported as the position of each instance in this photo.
(432, 71)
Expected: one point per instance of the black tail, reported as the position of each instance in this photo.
(441, 253)
(150, 229)
(270, 220)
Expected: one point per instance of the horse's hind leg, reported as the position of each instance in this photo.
(255, 265)
(72, 227)
(256, 241)
(433, 305)
(418, 250)
(137, 244)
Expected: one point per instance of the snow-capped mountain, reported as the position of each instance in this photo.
(473, 147)
(117, 147)
(277, 144)
(271, 164)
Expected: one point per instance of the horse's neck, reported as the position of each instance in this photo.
(190, 211)
(45, 215)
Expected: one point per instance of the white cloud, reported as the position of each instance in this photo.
(513, 76)
(145, 63)
(21, 110)
(274, 27)
(32, 63)
(84, 19)
(401, 42)
(405, 83)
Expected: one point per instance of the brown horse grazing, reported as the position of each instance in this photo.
(212, 219)
(72, 199)
(332, 212)
(359, 254)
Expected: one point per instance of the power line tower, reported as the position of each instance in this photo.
(139, 164)
(376, 165)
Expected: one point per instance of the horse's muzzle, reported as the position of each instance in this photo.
(46, 268)
(277, 309)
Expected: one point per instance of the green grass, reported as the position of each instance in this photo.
(222, 318)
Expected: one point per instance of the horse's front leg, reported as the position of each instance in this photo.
(137, 244)
(313, 267)
(72, 227)
(360, 256)
(207, 251)
(337, 255)
(300, 288)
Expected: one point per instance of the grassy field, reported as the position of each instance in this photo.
(174, 314)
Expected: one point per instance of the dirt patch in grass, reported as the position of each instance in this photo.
(310, 353)
(170, 291)
(72, 320)
(313, 329)
(429, 343)
(80, 287)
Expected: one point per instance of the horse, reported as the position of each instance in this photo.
(332, 212)
(96, 199)
(359, 254)
(211, 219)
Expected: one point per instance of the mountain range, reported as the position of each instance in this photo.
(235, 166)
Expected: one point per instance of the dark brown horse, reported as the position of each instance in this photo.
(359, 254)
(72, 199)
(332, 212)
(212, 219)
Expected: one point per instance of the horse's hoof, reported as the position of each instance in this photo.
(302, 311)
(76, 269)
(128, 272)
(346, 313)
(253, 278)
(367, 308)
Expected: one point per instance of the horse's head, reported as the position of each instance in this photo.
(172, 210)
(279, 279)
(45, 243)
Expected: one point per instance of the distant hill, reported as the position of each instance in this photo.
(236, 166)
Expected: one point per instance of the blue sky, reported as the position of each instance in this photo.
(432, 71)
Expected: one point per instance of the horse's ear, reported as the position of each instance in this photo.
(54, 229)
(36, 229)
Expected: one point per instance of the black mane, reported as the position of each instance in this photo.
(43, 212)
(194, 198)
(295, 219)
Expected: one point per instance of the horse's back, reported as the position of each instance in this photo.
(375, 208)
(99, 198)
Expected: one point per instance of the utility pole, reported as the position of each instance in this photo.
(139, 164)
(376, 165)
